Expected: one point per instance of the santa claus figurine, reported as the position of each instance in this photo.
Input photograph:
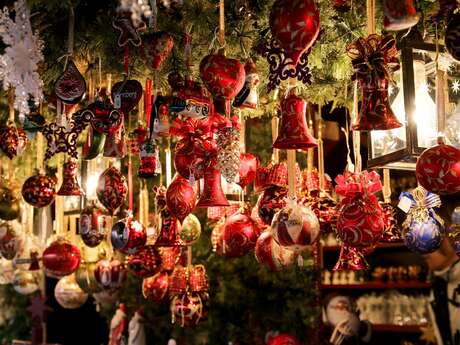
(136, 329)
(118, 326)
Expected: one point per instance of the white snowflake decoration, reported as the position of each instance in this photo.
(19, 63)
(456, 86)
(138, 9)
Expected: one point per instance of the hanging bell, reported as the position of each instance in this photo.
(375, 112)
(248, 97)
(212, 194)
(399, 14)
(293, 130)
(70, 186)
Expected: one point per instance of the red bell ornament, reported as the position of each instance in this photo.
(293, 132)
(93, 226)
(13, 140)
(145, 263)
(128, 235)
(155, 289)
(181, 197)
(187, 309)
(438, 169)
(399, 14)
(212, 194)
(271, 254)
(295, 24)
(110, 274)
(112, 189)
(39, 190)
(61, 258)
(70, 186)
(248, 167)
(157, 47)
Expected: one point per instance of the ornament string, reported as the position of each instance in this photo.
(126, 60)
(148, 101)
(291, 160)
(356, 134)
(275, 122)
(168, 163)
(370, 6)
(386, 186)
(222, 23)
(440, 92)
(310, 152)
(320, 151)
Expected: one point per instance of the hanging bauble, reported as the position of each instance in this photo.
(86, 279)
(168, 236)
(248, 97)
(247, 170)
(169, 257)
(126, 95)
(11, 239)
(9, 202)
(39, 190)
(181, 197)
(310, 182)
(187, 163)
(438, 169)
(270, 202)
(110, 274)
(399, 14)
(68, 294)
(278, 175)
(239, 234)
(149, 159)
(6, 271)
(13, 140)
(423, 236)
(295, 227)
(452, 37)
(293, 129)
(28, 257)
(178, 281)
(145, 263)
(70, 86)
(271, 254)
(156, 47)
(190, 231)
(283, 339)
(212, 194)
(26, 282)
(105, 119)
(228, 154)
(112, 189)
(295, 24)
(93, 225)
(128, 235)
(93, 145)
(187, 309)
(155, 288)
(70, 186)
(61, 258)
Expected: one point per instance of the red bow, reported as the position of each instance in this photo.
(353, 184)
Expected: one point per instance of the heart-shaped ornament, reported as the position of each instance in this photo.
(157, 47)
(126, 95)
(70, 86)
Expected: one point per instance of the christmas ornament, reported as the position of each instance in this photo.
(26, 282)
(190, 231)
(70, 186)
(197, 279)
(248, 97)
(68, 294)
(187, 309)
(218, 212)
(260, 183)
(70, 86)
(271, 254)
(169, 224)
(105, 119)
(114, 145)
(249, 164)
(27, 258)
(61, 258)
(11, 239)
(399, 15)
(149, 163)
(21, 57)
(310, 182)
(86, 279)
(180, 197)
(110, 274)
(340, 314)
(178, 281)
(128, 235)
(136, 138)
(126, 95)
(146, 262)
(438, 169)
(325, 209)
(9, 202)
(93, 145)
(137, 329)
(360, 222)
(128, 32)
(169, 257)
(93, 225)
(374, 58)
(6, 271)
(212, 194)
(112, 189)
(155, 288)
(228, 154)
(157, 47)
(240, 234)
(392, 232)
(278, 175)
(118, 326)
(271, 201)
(283, 339)
(452, 36)
(293, 132)
(39, 190)
(13, 140)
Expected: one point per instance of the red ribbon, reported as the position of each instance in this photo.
(352, 184)
(148, 101)
(130, 184)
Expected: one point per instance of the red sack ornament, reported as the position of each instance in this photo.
(146, 262)
(271, 254)
(360, 221)
(126, 95)
(271, 201)
(240, 234)
(13, 140)
(128, 235)
(110, 274)
(283, 339)
(248, 167)
(197, 278)
(212, 194)
(112, 189)
(70, 86)
(295, 227)
(178, 281)
(374, 58)
(93, 226)
(180, 197)
(70, 186)
(399, 14)
(39, 190)
(293, 132)
(155, 289)
(61, 258)
(156, 47)
(187, 309)
(438, 169)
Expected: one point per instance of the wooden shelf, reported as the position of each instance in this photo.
(397, 328)
(379, 246)
(377, 286)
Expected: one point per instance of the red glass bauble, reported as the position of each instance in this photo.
(271, 254)
(157, 47)
(180, 197)
(283, 339)
(295, 24)
(187, 309)
(155, 289)
(399, 14)
(146, 262)
(110, 274)
(93, 226)
(128, 235)
(112, 189)
(13, 140)
(239, 234)
(248, 167)
(187, 162)
(61, 258)
(39, 190)
(438, 169)
(271, 201)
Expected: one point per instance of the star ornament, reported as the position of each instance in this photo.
(38, 308)
(456, 86)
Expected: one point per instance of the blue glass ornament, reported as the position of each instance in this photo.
(423, 236)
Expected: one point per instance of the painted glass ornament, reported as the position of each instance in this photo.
(128, 235)
(9, 202)
(190, 230)
(187, 309)
(155, 289)
(181, 197)
(11, 239)
(70, 86)
(110, 274)
(169, 257)
(399, 14)
(169, 226)
(39, 190)
(93, 225)
(112, 189)
(86, 279)
(26, 282)
(146, 262)
(68, 294)
(156, 47)
(61, 258)
(149, 160)
(13, 140)
(271, 254)
(70, 186)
